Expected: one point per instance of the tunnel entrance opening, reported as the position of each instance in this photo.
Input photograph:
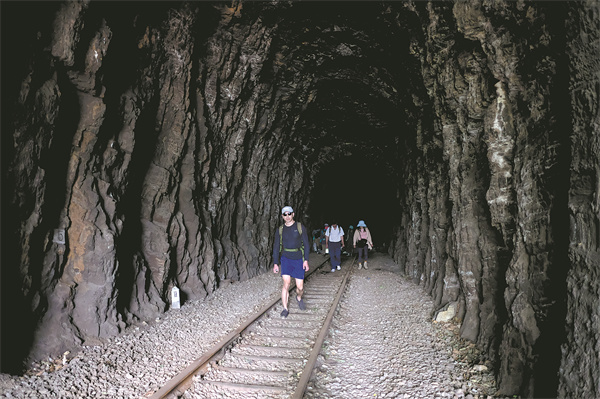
(356, 188)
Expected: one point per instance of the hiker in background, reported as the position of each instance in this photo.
(348, 235)
(334, 241)
(350, 231)
(316, 240)
(290, 250)
(322, 238)
(362, 242)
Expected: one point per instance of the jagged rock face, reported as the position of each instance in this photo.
(164, 139)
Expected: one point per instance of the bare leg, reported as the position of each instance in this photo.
(285, 293)
(299, 288)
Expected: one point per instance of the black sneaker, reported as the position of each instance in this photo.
(284, 313)
(301, 304)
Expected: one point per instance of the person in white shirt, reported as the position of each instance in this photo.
(334, 241)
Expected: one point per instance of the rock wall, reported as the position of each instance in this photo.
(580, 367)
(154, 146)
(486, 205)
(168, 169)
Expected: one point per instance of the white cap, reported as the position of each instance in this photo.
(287, 209)
(361, 224)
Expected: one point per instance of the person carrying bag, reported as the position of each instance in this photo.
(362, 242)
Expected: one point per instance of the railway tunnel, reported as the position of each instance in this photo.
(148, 146)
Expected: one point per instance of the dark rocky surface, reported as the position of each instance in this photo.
(161, 140)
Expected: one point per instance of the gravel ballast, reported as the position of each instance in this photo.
(382, 343)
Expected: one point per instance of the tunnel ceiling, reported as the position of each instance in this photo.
(356, 58)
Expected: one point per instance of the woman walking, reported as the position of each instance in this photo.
(363, 242)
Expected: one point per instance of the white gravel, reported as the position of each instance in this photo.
(382, 344)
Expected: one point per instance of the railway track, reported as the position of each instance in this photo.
(267, 356)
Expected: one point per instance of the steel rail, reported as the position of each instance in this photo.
(312, 360)
(183, 380)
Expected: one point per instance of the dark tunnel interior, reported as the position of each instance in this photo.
(353, 188)
(357, 118)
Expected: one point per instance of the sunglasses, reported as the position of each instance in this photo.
(287, 214)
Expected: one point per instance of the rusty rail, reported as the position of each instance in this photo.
(183, 380)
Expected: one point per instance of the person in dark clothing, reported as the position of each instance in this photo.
(316, 236)
(290, 250)
(334, 240)
(322, 239)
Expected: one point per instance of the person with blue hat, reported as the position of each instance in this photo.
(363, 242)
(290, 250)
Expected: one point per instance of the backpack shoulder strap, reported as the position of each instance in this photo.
(280, 238)
(301, 240)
